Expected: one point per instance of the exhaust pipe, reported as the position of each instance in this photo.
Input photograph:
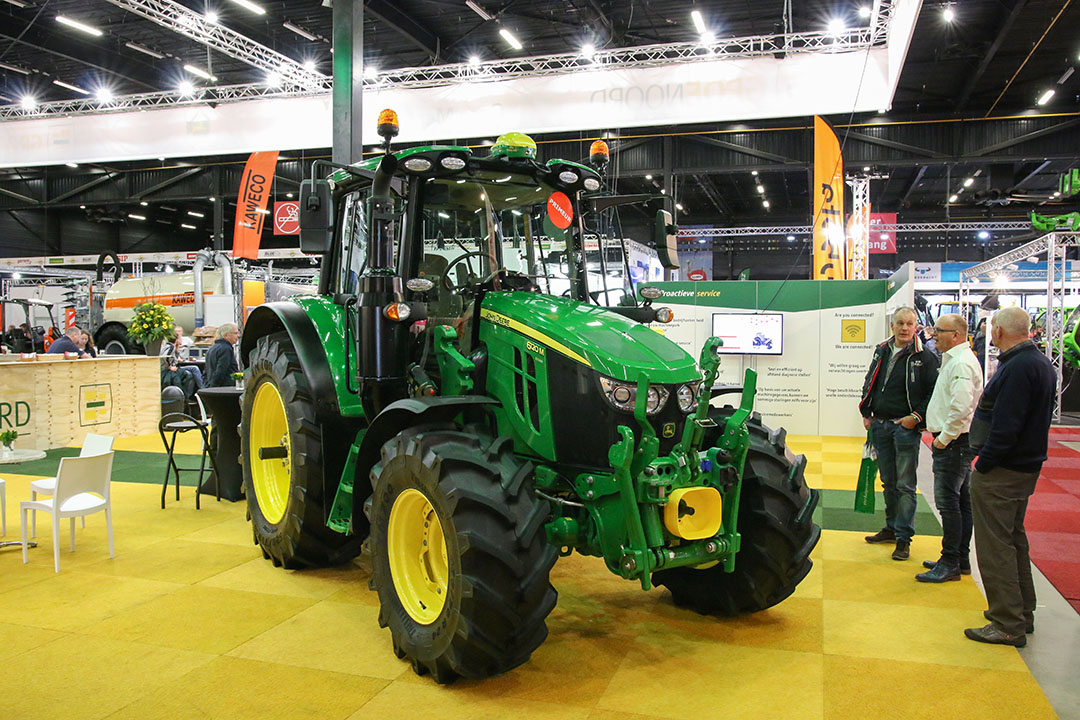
(201, 259)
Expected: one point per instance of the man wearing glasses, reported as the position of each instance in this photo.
(948, 418)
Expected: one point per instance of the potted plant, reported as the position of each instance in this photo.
(150, 325)
(8, 437)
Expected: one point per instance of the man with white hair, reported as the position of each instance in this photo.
(221, 358)
(896, 391)
(1011, 432)
(948, 418)
(68, 342)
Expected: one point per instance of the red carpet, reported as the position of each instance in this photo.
(1053, 515)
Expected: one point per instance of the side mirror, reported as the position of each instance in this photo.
(665, 240)
(316, 216)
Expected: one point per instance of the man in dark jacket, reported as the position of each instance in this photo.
(221, 360)
(1010, 429)
(68, 342)
(896, 392)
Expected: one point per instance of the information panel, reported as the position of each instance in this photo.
(750, 333)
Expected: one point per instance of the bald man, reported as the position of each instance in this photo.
(1010, 431)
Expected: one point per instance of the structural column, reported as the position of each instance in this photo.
(348, 80)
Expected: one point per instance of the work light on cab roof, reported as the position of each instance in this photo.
(514, 145)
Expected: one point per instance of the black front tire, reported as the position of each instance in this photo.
(497, 594)
(775, 522)
(300, 539)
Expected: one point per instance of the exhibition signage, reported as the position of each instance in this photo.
(287, 217)
(251, 203)
(828, 204)
(560, 211)
(882, 241)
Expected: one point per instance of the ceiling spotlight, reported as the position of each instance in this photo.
(969, 182)
(197, 71)
(169, 269)
(953, 198)
(16, 275)
(72, 165)
(983, 235)
(1057, 193)
(707, 38)
(648, 177)
(14, 68)
(211, 17)
(866, 168)
(26, 102)
(864, 12)
(186, 88)
(144, 50)
(300, 31)
(474, 60)
(78, 26)
(187, 227)
(761, 188)
(104, 95)
(248, 5)
(510, 39)
(69, 86)
(1045, 97)
(754, 173)
(588, 50)
(765, 203)
(371, 72)
(791, 238)
(309, 65)
(678, 206)
(192, 213)
(948, 14)
(144, 203)
(837, 26)
(699, 21)
(17, 3)
(478, 10)
(133, 216)
(273, 80)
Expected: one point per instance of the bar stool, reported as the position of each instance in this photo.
(178, 423)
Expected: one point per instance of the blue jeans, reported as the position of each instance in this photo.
(952, 495)
(897, 458)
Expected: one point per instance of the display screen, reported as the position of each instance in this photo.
(749, 333)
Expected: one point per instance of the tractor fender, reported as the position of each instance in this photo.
(291, 318)
(394, 418)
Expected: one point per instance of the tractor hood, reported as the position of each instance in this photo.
(594, 336)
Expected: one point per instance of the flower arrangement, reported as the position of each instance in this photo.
(151, 322)
(238, 376)
(7, 437)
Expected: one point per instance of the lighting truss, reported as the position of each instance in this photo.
(298, 81)
(192, 25)
(1000, 226)
(860, 226)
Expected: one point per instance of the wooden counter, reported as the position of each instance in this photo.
(54, 402)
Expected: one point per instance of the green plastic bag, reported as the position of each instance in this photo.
(864, 491)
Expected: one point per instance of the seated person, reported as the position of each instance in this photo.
(172, 375)
(178, 349)
(68, 343)
(221, 358)
(86, 344)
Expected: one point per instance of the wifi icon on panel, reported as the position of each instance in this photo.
(853, 331)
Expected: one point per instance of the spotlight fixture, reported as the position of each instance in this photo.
(1045, 97)
(866, 168)
(765, 204)
(864, 12)
(248, 5)
(474, 60)
(186, 88)
(791, 238)
(199, 72)
(371, 72)
(761, 188)
(144, 203)
(133, 216)
(588, 50)
(678, 206)
(26, 102)
(273, 80)
(14, 68)
(648, 177)
(478, 10)
(81, 27)
(144, 50)
(299, 31)
(754, 173)
(983, 235)
(104, 95)
(188, 227)
(948, 14)
(72, 164)
(309, 65)
(192, 213)
(699, 21)
(953, 198)
(69, 86)
(510, 39)
(211, 17)
(837, 26)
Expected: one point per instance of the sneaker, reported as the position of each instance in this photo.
(902, 551)
(1029, 626)
(884, 535)
(991, 634)
(929, 565)
(939, 573)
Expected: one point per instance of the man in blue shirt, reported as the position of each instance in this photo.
(1011, 430)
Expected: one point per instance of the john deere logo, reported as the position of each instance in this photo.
(669, 430)
(852, 331)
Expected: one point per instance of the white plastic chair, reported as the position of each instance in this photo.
(92, 445)
(82, 488)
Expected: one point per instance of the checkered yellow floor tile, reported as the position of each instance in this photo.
(189, 621)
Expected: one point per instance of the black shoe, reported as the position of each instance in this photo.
(1029, 626)
(939, 573)
(902, 551)
(991, 634)
(884, 535)
(929, 564)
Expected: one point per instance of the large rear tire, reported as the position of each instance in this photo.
(285, 492)
(114, 340)
(459, 556)
(775, 522)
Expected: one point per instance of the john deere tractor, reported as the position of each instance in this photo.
(433, 408)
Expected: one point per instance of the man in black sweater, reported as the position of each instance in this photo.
(221, 359)
(1010, 430)
(896, 392)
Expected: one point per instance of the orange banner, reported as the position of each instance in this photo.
(251, 203)
(830, 253)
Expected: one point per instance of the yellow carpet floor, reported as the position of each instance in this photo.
(189, 621)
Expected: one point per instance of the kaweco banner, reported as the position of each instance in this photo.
(830, 253)
(251, 203)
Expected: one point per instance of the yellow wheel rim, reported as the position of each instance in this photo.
(269, 428)
(417, 550)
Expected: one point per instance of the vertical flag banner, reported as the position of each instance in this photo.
(830, 254)
(251, 203)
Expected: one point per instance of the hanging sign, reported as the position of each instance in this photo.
(251, 203)
(882, 241)
(830, 253)
(287, 217)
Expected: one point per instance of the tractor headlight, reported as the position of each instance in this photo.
(687, 396)
(452, 162)
(568, 176)
(591, 184)
(664, 315)
(623, 395)
(417, 164)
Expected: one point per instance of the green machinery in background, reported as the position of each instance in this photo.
(437, 411)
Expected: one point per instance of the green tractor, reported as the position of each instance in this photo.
(432, 408)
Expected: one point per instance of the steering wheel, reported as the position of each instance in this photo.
(471, 279)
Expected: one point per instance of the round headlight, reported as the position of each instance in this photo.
(568, 177)
(685, 396)
(655, 400)
(417, 164)
(452, 162)
(664, 315)
(621, 394)
(592, 184)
